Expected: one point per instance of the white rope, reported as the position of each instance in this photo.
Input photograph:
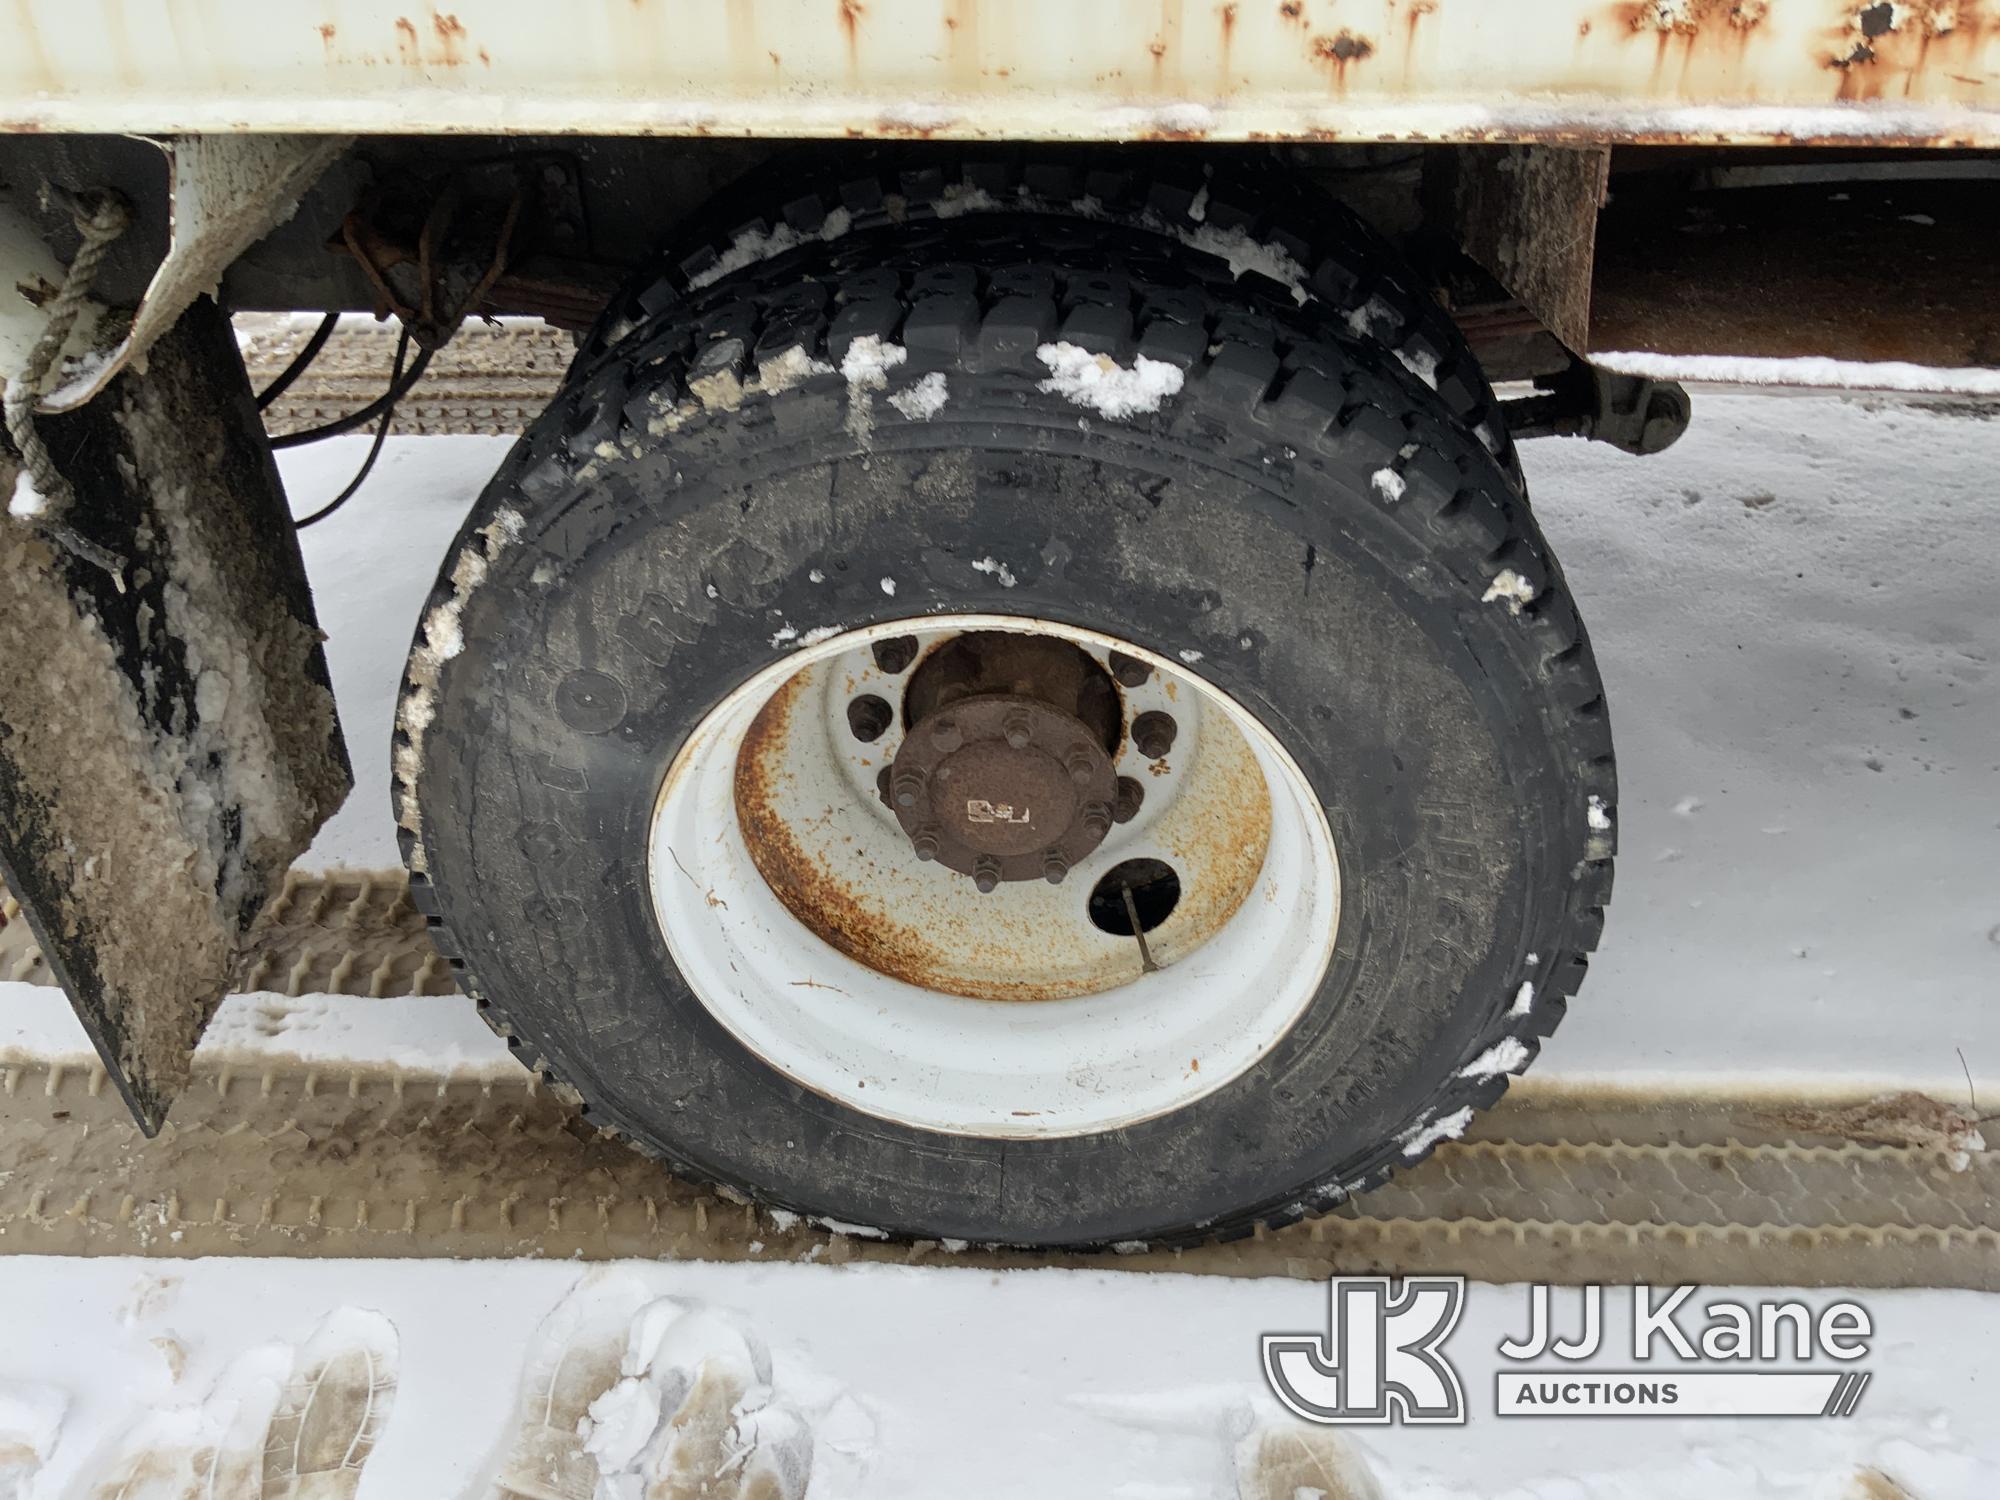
(100, 219)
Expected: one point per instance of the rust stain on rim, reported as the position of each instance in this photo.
(1225, 837)
(821, 901)
(798, 880)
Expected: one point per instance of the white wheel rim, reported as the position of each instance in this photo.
(1231, 983)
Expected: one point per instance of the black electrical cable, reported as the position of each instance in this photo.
(299, 362)
(397, 385)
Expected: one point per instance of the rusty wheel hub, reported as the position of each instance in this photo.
(1006, 771)
(1003, 787)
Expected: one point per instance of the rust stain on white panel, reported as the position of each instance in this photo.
(1921, 72)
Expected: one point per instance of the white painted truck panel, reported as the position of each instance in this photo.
(1923, 73)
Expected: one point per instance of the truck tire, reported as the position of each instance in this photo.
(1024, 485)
(1253, 211)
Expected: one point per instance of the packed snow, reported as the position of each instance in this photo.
(1805, 370)
(924, 400)
(995, 569)
(26, 501)
(868, 361)
(866, 366)
(31, 1418)
(1508, 1055)
(1063, 1385)
(1510, 589)
(1375, 321)
(1245, 253)
(1099, 382)
(441, 642)
(754, 245)
(1421, 1137)
(958, 199)
(786, 370)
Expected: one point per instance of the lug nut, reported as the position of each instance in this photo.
(1054, 867)
(1153, 733)
(868, 716)
(1097, 820)
(1129, 670)
(1080, 766)
(909, 787)
(895, 654)
(882, 787)
(1017, 729)
(925, 844)
(986, 874)
(1130, 795)
(946, 734)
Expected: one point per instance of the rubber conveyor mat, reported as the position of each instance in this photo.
(274, 1155)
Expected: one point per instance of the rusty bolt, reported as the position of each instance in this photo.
(1130, 795)
(895, 654)
(909, 787)
(925, 843)
(946, 734)
(1129, 670)
(1097, 820)
(1054, 867)
(1080, 766)
(1018, 730)
(986, 873)
(868, 716)
(1153, 733)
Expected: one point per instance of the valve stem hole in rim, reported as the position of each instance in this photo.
(1151, 885)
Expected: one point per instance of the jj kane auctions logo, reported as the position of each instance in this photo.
(1382, 1357)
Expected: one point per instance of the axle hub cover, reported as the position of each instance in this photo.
(1004, 787)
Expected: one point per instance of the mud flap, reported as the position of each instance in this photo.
(168, 739)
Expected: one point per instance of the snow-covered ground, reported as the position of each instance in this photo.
(1795, 614)
(921, 1384)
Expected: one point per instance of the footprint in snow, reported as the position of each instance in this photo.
(628, 1395)
(574, 1359)
(1210, 1439)
(30, 1419)
(333, 1410)
(279, 1424)
(1293, 1463)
